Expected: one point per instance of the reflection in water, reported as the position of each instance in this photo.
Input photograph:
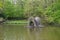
(19, 32)
(34, 35)
(1, 32)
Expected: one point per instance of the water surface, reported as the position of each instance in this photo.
(20, 32)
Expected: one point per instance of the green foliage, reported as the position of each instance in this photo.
(49, 11)
(52, 13)
(1, 6)
(11, 10)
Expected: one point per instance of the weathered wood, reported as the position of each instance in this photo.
(31, 23)
(36, 25)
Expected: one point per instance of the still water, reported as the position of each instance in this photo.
(21, 32)
(18, 32)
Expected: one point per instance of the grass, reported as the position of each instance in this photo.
(16, 22)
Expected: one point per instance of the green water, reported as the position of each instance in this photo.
(20, 32)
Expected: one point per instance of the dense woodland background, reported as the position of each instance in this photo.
(48, 10)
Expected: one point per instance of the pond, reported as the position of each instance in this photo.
(20, 32)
